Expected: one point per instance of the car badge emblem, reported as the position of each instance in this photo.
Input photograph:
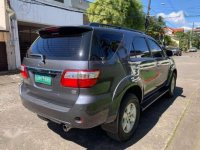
(41, 63)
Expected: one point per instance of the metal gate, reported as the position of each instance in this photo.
(3, 57)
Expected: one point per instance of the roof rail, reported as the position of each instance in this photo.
(94, 24)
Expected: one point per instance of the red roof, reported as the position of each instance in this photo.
(174, 30)
(178, 30)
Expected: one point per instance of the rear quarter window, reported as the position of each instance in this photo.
(140, 47)
(155, 49)
(105, 44)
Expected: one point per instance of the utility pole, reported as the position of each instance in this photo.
(147, 16)
(191, 35)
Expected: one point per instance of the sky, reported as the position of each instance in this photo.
(177, 13)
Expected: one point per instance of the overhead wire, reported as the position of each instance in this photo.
(165, 17)
(36, 2)
(172, 6)
(78, 11)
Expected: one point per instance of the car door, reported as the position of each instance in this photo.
(142, 64)
(163, 62)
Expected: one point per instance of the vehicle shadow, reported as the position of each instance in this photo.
(96, 138)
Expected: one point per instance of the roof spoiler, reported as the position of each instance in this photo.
(63, 31)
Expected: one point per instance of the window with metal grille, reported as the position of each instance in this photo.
(61, 1)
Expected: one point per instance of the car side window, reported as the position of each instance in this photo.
(155, 49)
(105, 44)
(140, 48)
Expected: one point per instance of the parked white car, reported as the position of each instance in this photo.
(193, 49)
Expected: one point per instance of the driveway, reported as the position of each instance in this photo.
(168, 124)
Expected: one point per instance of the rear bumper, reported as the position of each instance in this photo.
(92, 113)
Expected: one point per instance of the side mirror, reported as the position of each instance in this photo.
(163, 46)
(132, 53)
(169, 53)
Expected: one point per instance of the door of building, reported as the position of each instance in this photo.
(3, 57)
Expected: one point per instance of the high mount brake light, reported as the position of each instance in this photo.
(52, 29)
(24, 72)
(79, 78)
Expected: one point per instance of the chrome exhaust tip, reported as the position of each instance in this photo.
(66, 128)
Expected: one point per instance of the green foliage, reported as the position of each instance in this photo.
(184, 40)
(127, 13)
(156, 24)
(196, 40)
(155, 28)
(168, 41)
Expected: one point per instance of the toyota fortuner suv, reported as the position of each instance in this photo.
(86, 76)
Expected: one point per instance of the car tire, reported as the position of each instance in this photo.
(128, 118)
(172, 86)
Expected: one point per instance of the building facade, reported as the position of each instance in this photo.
(197, 30)
(19, 20)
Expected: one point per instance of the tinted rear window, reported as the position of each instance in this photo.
(105, 44)
(141, 48)
(64, 47)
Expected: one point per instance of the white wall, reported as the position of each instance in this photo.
(2, 15)
(46, 15)
(38, 14)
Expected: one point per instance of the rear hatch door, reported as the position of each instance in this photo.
(56, 50)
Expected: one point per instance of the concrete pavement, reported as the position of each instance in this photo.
(168, 124)
(187, 133)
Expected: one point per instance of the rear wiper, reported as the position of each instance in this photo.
(38, 55)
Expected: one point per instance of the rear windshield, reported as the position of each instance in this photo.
(67, 46)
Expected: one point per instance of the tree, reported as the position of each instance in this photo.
(155, 28)
(184, 40)
(196, 40)
(127, 13)
(169, 42)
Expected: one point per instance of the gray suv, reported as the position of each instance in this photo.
(86, 76)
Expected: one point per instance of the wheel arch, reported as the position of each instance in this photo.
(125, 87)
(134, 89)
(173, 70)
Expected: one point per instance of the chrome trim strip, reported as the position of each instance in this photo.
(51, 70)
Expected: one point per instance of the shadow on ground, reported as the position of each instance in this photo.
(12, 72)
(96, 138)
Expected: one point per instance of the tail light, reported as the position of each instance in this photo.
(79, 78)
(24, 72)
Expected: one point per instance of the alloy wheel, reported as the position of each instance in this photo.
(129, 118)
